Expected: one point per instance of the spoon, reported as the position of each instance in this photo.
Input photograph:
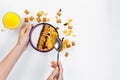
(58, 47)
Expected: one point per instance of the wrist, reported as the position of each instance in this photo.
(19, 48)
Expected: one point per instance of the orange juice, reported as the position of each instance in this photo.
(11, 20)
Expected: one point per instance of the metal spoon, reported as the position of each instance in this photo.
(58, 47)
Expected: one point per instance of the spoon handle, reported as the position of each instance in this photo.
(57, 58)
(57, 77)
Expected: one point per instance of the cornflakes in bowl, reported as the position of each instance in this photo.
(42, 37)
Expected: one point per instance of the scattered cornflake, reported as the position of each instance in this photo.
(70, 27)
(68, 32)
(73, 35)
(42, 12)
(39, 14)
(26, 19)
(45, 14)
(66, 54)
(68, 45)
(65, 42)
(63, 47)
(56, 17)
(68, 22)
(44, 19)
(38, 19)
(58, 20)
(65, 31)
(73, 43)
(48, 19)
(59, 13)
(31, 18)
(26, 12)
(57, 28)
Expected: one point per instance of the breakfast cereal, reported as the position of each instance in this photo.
(69, 27)
(31, 18)
(65, 42)
(39, 14)
(57, 28)
(56, 17)
(48, 19)
(26, 19)
(66, 54)
(38, 19)
(44, 19)
(73, 43)
(73, 35)
(46, 40)
(59, 13)
(58, 20)
(68, 45)
(26, 12)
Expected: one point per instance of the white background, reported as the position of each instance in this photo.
(97, 53)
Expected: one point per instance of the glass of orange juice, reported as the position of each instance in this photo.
(11, 20)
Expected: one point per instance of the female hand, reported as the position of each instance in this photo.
(57, 70)
(10, 60)
(23, 39)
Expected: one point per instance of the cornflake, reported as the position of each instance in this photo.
(69, 27)
(73, 43)
(39, 14)
(66, 54)
(68, 45)
(38, 19)
(66, 41)
(26, 12)
(31, 18)
(48, 19)
(58, 20)
(44, 19)
(57, 28)
(26, 19)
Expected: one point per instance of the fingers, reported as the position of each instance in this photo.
(53, 64)
(60, 66)
(60, 70)
(23, 29)
(53, 74)
(29, 26)
(26, 28)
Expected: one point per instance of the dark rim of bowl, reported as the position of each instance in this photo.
(33, 27)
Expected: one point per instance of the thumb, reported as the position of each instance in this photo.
(53, 74)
